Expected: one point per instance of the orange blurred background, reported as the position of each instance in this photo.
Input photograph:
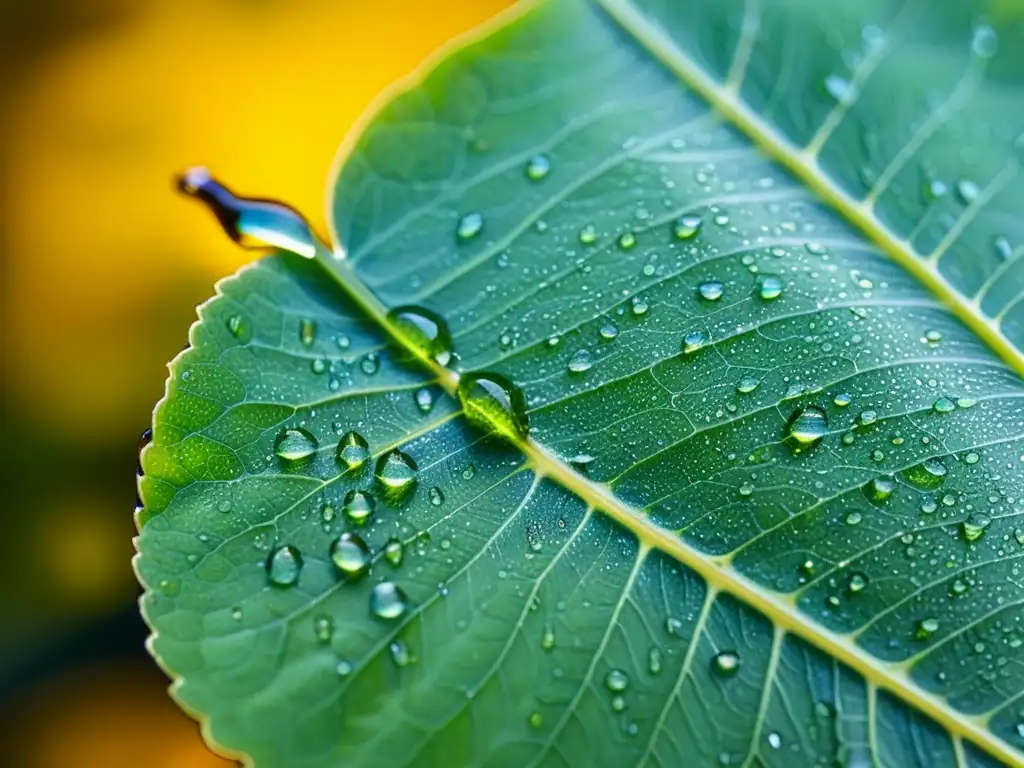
(102, 266)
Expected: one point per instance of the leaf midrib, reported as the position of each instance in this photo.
(780, 608)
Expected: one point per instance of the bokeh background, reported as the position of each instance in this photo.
(101, 266)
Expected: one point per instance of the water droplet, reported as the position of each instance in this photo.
(424, 399)
(239, 327)
(770, 287)
(638, 306)
(967, 191)
(1003, 248)
(654, 660)
(608, 332)
(774, 740)
(726, 663)
(588, 235)
(866, 418)
(857, 583)
(1018, 534)
(928, 475)
(627, 240)
(350, 553)
(616, 681)
(319, 365)
(878, 490)
(307, 332)
(547, 638)
(394, 551)
(344, 668)
(618, 703)
(323, 628)
(693, 341)
(370, 363)
(686, 227)
(853, 518)
(806, 426)
(396, 472)
(747, 384)
(926, 628)
(536, 720)
(932, 337)
(538, 167)
(975, 526)
(436, 496)
(358, 507)
(958, 587)
(426, 332)
(840, 89)
(295, 444)
(249, 222)
(388, 601)
(843, 399)
(943, 405)
(470, 226)
(224, 505)
(400, 653)
(710, 290)
(580, 361)
(352, 450)
(284, 565)
(493, 403)
(928, 506)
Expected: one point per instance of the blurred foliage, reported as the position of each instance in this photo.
(101, 269)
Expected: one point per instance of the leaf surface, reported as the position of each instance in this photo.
(757, 271)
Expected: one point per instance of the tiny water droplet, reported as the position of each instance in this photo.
(857, 583)
(710, 290)
(352, 450)
(350, 553)
(588, 235)
(323, 628)
(547, 638)
(726, 663)
(396, 472)
(853, 518)
(638, 306)
(843, 399)
(581, 361)
(627, 240)
(400, 653)
(388, 600)
(370, 363)
(774, 740)
(424, 399)
(608, 332)
(426, 332)
(932, 337)
(394, 551)
(878, 490)
(618, 703)
(493, 403)
(284, 565)
(770, 287)
(926, 628)
(538, 167)
(686, 227)
(470, 226)
(693, 341)
(654, 660)
(943, 405)
(806, 426)
(436, 496)
(344, 668)
(958, 587)
(616, 681)
(358, 507)
(295, 444)
(928, 475)
(967, 191)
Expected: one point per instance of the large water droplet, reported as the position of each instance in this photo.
(250, 222)
(352, 450)
(350, 553)
(396, 473)
(538, 167)
(581, 361)
(726, 663)
(284, 565)
(616, 681)
(693, 341)
(878, 490)
(394, 551)
(928, 475)
(747, 385)
(806, 427)
(470, 226)
(359, 507)
(686, 227)
(975, 526)
(426, 332)
(388, 600)
(493, 403)
(711, 290)
(770, 287)
(295, 444)
(943, 405)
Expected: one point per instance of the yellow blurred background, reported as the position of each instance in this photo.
(102, 265)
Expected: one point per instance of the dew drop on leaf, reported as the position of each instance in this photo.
(351, 555)
(843, 399)
(926, 628)
(344, 668)
(536, 720)
(436, 496)
(693, 341)
(627, 240)
(770, 287)
(307, 332)
(638, 306)
(370, 363)
(400, 654)
(547, 638)
(943, 405)
(538, 167)
(710, 290)
(284, 565)
(967, 191)
(747, 384)
(588, 235)
(879, 489)
(654, 660)
(388, 600)
(352, 450)
(323, 628)
(397, 475)
(424, 399)
(687, 227)
(424, 331)
(608, 332)
(394, 551)
(581, 361)
(857, 583)
(928, 475)
(493, 403)
(726, 663)
(294, 445)
(470, 226)
(806, 427)
(975, 525)
(358, 507)
(616, 681)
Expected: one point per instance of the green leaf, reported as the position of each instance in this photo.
(756, 269)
